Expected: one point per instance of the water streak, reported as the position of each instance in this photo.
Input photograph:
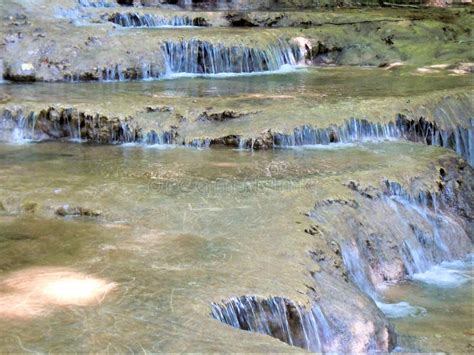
(351, 131)
(277, 317)
(459, 139)
(423, 247)
(96, 3)
(149, 20)
(1, 71)
(200, 57)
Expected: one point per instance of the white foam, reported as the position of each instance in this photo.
(284, 69)
(148, 146)
(160, 146)
(400, 310)
(17, 137)
(341, 145)
(161, 27)
(77, 140)
(324, 146)
(447, 274)
(17, 141)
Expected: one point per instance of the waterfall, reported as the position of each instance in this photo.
(150, 71)
(96, 3)
(16, 127)
(198, 143)
(200, 57)
(277, 317)
(1, 71)
(420, 231)
(459, 139)
(214, 5)
(148, 20)
(351, 131)
(423, 250)
(113, 72)
(19, 129)
(154, 138)
(360, 274)
(117, 72)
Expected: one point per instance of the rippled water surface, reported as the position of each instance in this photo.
(446, 294)
(334, 83)
(178, 229)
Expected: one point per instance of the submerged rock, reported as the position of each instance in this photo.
(67, 210)
(30, 207)
(221, 116)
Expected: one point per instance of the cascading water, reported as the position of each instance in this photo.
(423, 232)
(351, 131)
(19, 129)
(96, 3)
(148, 20)
(1, 71)
(147, 70)
(277, 317)
(155, 138)
(425, 250)
(111, 73)
(16, 127)
(200, 57)
(459, 139)
(360, 274)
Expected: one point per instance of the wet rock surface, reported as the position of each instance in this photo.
(221, 116)
(67, 210)
(422, 121)
(34, 49)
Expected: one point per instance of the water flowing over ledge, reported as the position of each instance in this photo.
(146, 70)
(17, 127)
(97, 3)
(54, 123)
(201, 57)
(278, 317)
(418, 234)
(459, 139)
(197, 57)
(148, 20)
